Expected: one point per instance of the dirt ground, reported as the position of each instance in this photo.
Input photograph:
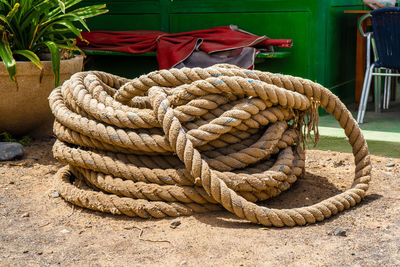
(38, 228)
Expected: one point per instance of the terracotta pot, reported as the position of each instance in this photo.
(25, 110)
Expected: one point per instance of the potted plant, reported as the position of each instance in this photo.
(36, 47)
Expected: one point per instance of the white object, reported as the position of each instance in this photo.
(374, 4)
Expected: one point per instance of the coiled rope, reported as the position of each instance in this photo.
(175, 142)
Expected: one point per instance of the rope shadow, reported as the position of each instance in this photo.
(308, 190)
(39, 151)
(220, 219)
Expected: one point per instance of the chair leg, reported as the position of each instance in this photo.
(386, 95)
(385, 90)
(364, 94)
(361, 104)
(368, 55)
(378, 91)
(388, 92)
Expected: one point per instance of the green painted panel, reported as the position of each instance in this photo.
(193, 6)
(341, 45)
(130, 22)
(347, 3)
(278, 25)
(129, 6)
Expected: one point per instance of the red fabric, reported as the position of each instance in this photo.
(276, 42)
(174, 48)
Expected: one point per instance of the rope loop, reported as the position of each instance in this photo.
(181, 141)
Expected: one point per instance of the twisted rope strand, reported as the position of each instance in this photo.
(176, 142)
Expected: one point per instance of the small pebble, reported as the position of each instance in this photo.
(64, 231)
(40, 253)
(25, 251)
(390, 164)
(75, 259)
(338, 231)
(11, 151)
(175, 224)
(26, 214)
(338, 164)
(55, 195)
(183, 262)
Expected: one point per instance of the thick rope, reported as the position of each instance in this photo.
(180, 141)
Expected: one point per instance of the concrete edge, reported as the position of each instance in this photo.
(368, 134)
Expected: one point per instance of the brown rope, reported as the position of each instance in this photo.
(175, 142)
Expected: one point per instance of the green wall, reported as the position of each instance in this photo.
(323, 36)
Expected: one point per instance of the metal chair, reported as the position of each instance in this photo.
(386, 46)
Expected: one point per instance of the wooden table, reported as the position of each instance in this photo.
(361, 51)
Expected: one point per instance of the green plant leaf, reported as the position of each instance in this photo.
(68, 47)
(31, 56)
(31, 16)
(81, 20)
(90, 11)
(25, 5)
(6, 137)
(61, 5)
(70, 3)
(55, 60)
(42, 25)
(25, 140)
(13, 11)
(9, 61)
(62, 32)
(4, 20)
(6, 3)
(89, 8)
(65, 17)
(67, 5)
(70, 26)
(72, 48)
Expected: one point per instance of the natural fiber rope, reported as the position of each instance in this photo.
(175, 142)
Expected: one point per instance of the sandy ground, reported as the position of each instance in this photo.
(37, 228)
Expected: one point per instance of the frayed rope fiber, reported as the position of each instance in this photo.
(181, 141)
